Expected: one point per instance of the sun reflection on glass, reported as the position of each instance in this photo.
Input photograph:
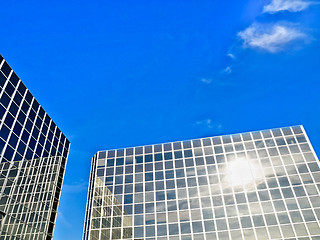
(242, 172)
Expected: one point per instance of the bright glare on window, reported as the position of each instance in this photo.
(242, 172)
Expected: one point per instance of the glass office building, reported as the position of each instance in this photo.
(33, 154)
(256, 185)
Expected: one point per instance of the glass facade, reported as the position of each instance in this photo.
(256, 185)
(33, 154)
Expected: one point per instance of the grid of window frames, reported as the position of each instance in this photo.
(33, 153)
(257, 185)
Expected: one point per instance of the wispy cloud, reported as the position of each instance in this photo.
(220, 80)
(208, 123)
(272, 38)
(75, 187)
(206, 80)
(227, 70)
(230, 55)
(61, 218)
(286, 5)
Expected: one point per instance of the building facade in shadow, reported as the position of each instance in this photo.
(33, 155)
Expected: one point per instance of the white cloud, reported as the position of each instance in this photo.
(61, 218)
(206, 122)
(206, 80)
(78, 187)
(286, 5)
(230, 55)
(209, 124)
(220, 80)
(227, 70)
(272, 38)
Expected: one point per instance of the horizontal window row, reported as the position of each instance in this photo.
(218, 157)
(292, 164)
(208, 211)
(218, 225)
(202, 142)
(211, 173)
(220, 212)
(214, 189)
(217, 200)
(171, 204)
(179, 178)
(220, 228)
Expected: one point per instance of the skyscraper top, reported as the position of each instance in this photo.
(14, 93)
(255, 185)
(33, 156)
(204, 141)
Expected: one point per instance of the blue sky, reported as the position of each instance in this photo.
(115, 74)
